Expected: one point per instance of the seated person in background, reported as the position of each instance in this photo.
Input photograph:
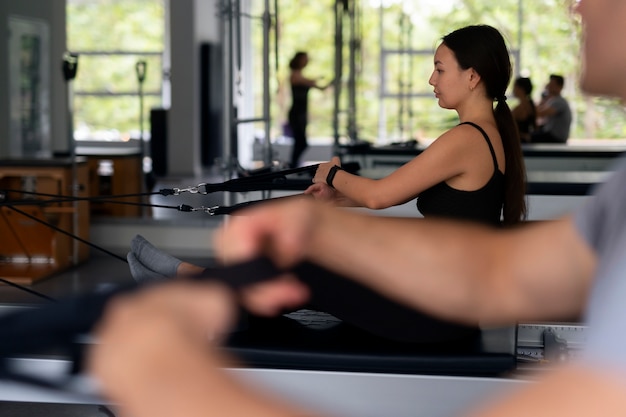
(525, 113)
(554, 114)
(474, 171)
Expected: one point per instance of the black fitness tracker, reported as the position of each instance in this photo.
(331, 175)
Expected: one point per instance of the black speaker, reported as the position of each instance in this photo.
(211, 102)
(158, 141)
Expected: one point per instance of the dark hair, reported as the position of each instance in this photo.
(296, 61)
(525, 84)
(558, 79)
(482, 48)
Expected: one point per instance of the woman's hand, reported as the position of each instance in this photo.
(324, 193)
(321, 192)
(324, 168)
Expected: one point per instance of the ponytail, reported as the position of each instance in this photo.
(514, 209)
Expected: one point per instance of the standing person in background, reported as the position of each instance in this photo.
(299, 111)
(525, 113)
(554, 113)
(474, 171)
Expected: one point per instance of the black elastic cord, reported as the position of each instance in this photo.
(257, 182)
(225, 210)
(66, 199)
(26, 289)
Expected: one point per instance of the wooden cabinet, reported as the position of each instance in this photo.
(37, 239)
(113, 174)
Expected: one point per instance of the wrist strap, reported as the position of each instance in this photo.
(331, 175)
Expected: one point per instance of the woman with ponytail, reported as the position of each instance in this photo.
(474, 171)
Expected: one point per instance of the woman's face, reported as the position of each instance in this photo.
(450, 82)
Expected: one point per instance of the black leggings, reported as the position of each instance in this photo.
(368, 310)
(59, 324)
(298, 131)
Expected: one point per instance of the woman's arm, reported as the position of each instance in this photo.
(459, 153)
(297, 78)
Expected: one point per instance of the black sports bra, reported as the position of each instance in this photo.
(483, 205)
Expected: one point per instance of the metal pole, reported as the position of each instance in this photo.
(520, 23)
(228, 93)
(276, 37)
(232, 78)
(401, 75)
(235, 17)
(410, 75)
(338, 67)
(70, 68)
(354, 46)
(382, 116)
(266, 83)
(140, 69)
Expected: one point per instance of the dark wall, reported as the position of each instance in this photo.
(211, 102)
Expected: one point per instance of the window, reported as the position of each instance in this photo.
(115, 40)
(543, 38)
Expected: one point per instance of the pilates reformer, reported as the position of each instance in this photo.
(305, 361)
(324, 368)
